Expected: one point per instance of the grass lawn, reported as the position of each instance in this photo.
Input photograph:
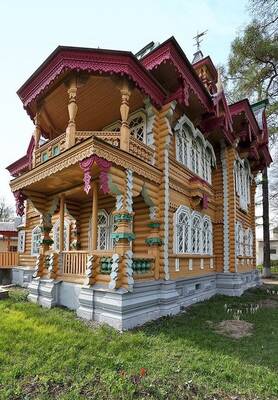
(49, 354)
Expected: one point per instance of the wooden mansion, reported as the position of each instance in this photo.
(137, 188)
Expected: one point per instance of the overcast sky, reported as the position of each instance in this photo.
(30, 30)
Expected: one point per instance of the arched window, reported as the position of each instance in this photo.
(196, 233)
(207, 236)
(248, 242)
(56, 235)
(182, 146)
(242, 177)
(193, 150)
(193, 232)
(182, 230)
(104, 228)
(36, 241)
(239, 237)
(137, 126)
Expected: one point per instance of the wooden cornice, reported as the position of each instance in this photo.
(65, 59)
(172, 52)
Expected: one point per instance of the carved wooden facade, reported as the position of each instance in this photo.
(135, 169)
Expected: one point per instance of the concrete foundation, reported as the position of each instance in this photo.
(148, 301)
(22, 276)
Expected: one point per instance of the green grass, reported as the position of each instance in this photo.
(273, 266)
(49, 354)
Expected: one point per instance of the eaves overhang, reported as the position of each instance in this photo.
(66, 59)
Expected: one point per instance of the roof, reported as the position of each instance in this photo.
(142, 73)
(68, 58)
(8, 227)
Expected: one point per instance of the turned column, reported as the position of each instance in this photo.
(124, 110)
(62, 223)
(94, 216)
(37, 136)
(72, 109)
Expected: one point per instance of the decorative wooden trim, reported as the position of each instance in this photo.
(92, 61)
(225, 210)
(80, 152)
(171, 51)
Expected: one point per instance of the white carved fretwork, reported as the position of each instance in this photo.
(129, 187)
(192, 232)
(242, 175)
(193, 150)
(36, 241)
(114, 271)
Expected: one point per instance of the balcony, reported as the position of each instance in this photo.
(57, 146)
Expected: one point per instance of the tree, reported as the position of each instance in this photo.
(253, 73)
(6, 212)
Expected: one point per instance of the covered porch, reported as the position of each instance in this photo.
(90, 214)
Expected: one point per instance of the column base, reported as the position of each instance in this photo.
(44, 292)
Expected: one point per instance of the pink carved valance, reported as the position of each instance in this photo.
(19, 202)
(104, 166)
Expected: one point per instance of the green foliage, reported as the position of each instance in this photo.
(253, 61)
(50, 354)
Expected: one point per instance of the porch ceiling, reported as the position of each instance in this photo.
(98, 101)
(68, 181)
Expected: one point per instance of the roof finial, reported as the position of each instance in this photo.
(198, 55)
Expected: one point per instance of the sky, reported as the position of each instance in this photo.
(30, 30)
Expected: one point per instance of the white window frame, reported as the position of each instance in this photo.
(21, 241)
(200, 156)
(35, 231)
(197, 233)
(239, 239)
(66, 235)
(116, 126)
(203, 238)
(207, 236)
(187, 211)
(242, 176)
(109, 245)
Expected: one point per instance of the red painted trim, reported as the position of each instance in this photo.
(24, 163)
(90, 60)
(208, 62)
(244, 106)
(171, 51)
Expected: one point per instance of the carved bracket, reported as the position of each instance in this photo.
(20, 197)
(104, 166)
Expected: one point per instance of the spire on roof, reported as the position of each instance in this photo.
(198, 55)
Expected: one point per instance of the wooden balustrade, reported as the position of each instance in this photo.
(8, 259)
(143, 266)
(140, 150)
(50, 149)
(74, 262)
(112, 138)
(58, 145)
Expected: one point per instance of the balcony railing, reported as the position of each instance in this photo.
(73, 265)
(8, 259)
(58, 145)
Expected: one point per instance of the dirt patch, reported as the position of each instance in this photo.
(235, 329)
